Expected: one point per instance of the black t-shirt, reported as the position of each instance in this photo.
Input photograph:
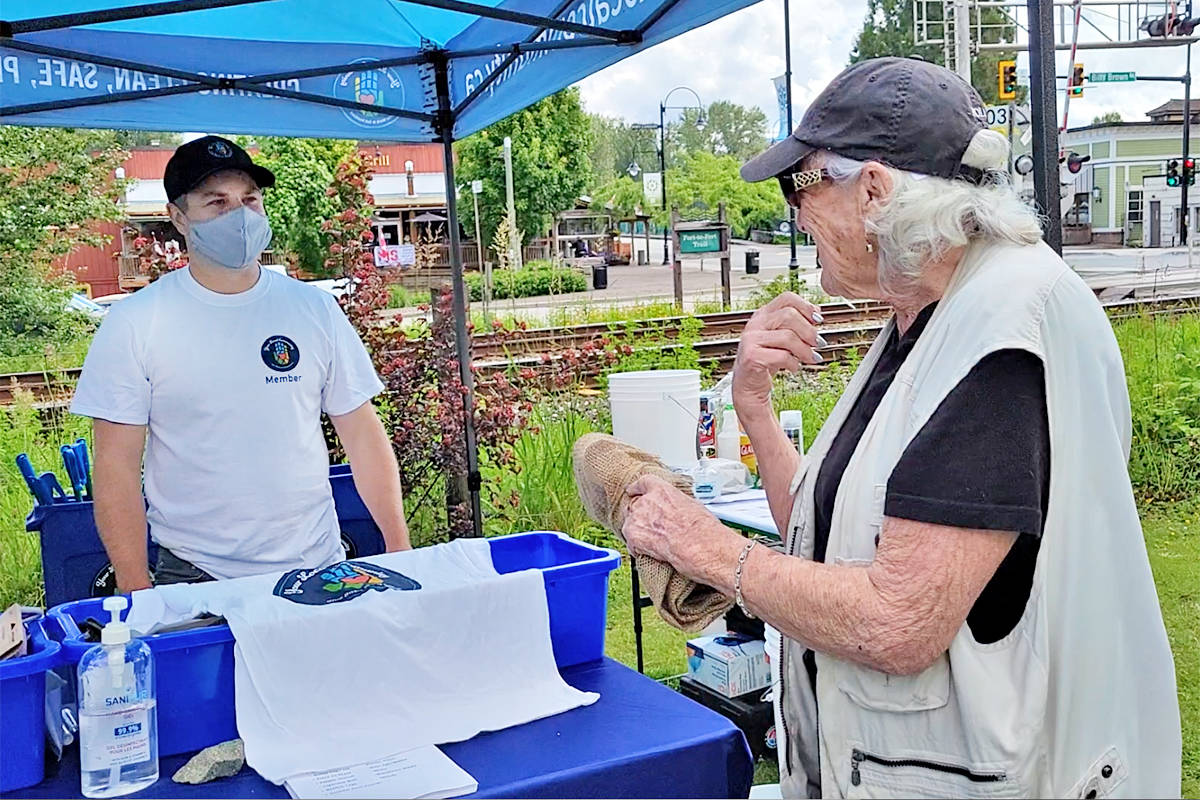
(981, 461)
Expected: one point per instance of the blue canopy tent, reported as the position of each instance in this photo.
(398, 70)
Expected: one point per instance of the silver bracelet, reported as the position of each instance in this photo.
(737, 577)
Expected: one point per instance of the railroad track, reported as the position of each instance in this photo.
(847, 327)
(725, 324)
(44, 385)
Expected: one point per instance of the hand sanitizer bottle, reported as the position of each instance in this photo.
(118, 729)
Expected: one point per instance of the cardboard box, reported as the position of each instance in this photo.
(730, 664)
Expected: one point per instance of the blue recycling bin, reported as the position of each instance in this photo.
(22, 698)
(75, 566)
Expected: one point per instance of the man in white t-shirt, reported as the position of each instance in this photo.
(219, 374)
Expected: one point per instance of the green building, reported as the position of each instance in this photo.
(1120, 196)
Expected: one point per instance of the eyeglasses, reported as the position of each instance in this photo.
(794, 183)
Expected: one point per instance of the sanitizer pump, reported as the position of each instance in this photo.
(118, 726)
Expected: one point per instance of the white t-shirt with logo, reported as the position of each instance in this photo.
(231, 388)
(379, 655)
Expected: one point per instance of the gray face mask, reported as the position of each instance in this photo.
(234, 240)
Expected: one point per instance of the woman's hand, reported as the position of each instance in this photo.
(781, 335)
(666, 524)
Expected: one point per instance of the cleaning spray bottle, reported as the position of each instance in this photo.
(118, 725)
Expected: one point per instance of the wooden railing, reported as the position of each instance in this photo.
(439, 272)
(129, 268)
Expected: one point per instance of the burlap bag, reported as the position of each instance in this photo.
(604, 468)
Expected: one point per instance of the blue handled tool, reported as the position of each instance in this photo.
(53, 488)
(74, 476)
(39, 492)
(85, 465)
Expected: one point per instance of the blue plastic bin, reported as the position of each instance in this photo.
(576, 576)
(195, 667)
(74, 564)
(23, 700)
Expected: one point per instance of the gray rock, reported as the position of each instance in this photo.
(219, 761)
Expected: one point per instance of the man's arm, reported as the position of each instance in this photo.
(119, 508)
(376, 474)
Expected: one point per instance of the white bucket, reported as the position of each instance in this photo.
(658, 411)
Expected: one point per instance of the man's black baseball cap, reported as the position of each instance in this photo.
(903, 112)
(199, 158)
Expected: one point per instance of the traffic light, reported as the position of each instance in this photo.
(1007, 76)
(1189, 171)
(1075, 162)
(1076, 82)
(1169, 25)
(1156, 26)
(1173, 172)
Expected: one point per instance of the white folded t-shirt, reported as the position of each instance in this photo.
(370, 657)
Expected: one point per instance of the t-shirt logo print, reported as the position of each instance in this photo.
(340, 582)
(280, 353)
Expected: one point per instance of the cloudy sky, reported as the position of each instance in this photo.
(735, 59)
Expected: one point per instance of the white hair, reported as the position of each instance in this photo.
(925, 216)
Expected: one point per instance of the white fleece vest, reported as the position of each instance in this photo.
(1079, 700)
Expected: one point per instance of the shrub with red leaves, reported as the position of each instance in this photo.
(422, 406)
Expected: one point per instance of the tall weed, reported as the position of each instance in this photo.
(24, 430)
(1162, 367)
(540, 494)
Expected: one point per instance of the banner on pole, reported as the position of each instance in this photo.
(652, 188)
(781, 94)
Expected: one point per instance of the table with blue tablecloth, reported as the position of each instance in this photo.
(641, 739)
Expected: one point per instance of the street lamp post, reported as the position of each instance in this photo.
(662, 152)
(793, 264)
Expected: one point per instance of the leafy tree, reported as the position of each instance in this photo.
(616, 144)
(1107, 117)
(551, 141)
(705, 180)
(54, 184)
(622, 197)
(129, 139)
(888, 31)
(729, 129)
(300, 200)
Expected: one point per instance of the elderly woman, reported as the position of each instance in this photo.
(965, 599)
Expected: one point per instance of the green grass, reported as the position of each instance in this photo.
(663, 648)
(403, 297)
(20, 552)
(50, 358)
(1173, 541)
(1162, 366)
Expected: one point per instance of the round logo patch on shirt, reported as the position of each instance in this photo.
(280, 353)
(340, 582)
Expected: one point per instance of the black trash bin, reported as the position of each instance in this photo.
(751, 262)
(600, 276)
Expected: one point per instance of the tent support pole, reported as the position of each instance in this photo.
(445, 124)
(76, 20)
